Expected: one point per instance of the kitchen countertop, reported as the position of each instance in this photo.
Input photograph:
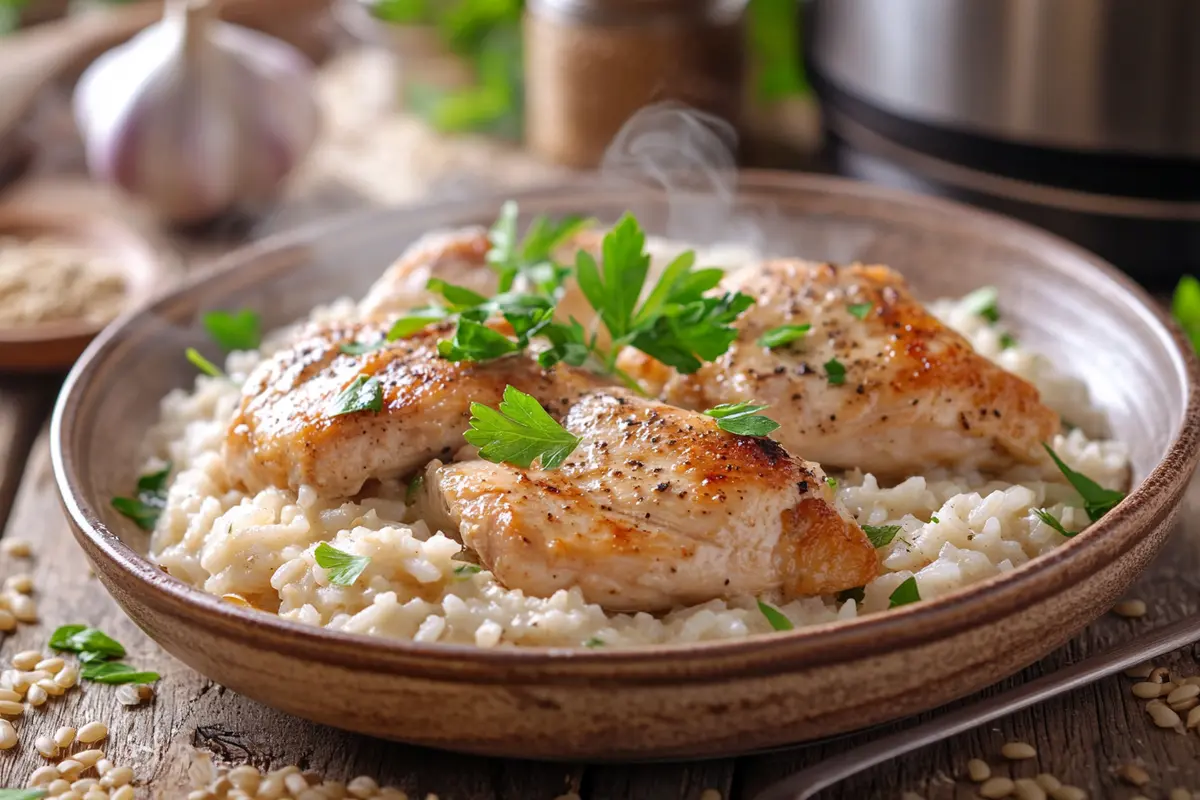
(1082, 738)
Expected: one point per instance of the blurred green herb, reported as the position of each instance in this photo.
(10, 15)
(773, 27)
(1185, 307)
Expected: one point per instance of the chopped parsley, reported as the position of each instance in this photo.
(1185, 308)
(784, 334)
(860, 310)
(414, 488)
(835, 371)
(85, 639)
(1097, 501)
(365, 393)
(881, 535)
(22, 794)
(1048, 518)
(519, 432)
(905, 593)
(233, 330)
(933, 518)
(1007, 341)
(203, 364)
(832, 482)
(983, 303)
(467, 570)
(474, 341)
(151, 499)
(778, 620)
(742, 418)
(114, 672)
(341, 567)
(595, 641)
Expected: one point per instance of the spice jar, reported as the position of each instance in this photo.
(590, 64)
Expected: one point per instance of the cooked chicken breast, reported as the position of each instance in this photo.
(656, 508)
(914, 395)
(460, 257)
(284, 434)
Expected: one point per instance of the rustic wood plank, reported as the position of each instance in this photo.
(24, 403)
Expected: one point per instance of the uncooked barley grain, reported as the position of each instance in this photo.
(1163, 716)
(978, 770)
(24, 609)
(57, 787)
(1132, 608)
(1018, 751)
(1185, 692)
(10, 708)
(8, 735)
(1068, 792)
(1180, 793)
(84, 785)
(36, 695)
(27, 659)
(103, 766)
(43, 776)
(1147, 690)
(50, 687)
(89, 758)
(8, 622)
(1028, 789)
(1133, 775)
(51, 665)
(17, 548)
(1141, 670)
(118, 776)
(121, 793)
(67, 677)
(994, 788)
(92, 732)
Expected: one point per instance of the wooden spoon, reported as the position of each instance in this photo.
(32, 59)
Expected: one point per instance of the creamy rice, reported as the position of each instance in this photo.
(956, 529)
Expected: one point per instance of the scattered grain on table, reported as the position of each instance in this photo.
(978, 770)
(1028, 789)
(1018, 751)
(1133, 775)
(1131, 608)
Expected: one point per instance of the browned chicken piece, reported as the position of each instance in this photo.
(284, 434)
(914, 395)
(460, 257)
(656, 508)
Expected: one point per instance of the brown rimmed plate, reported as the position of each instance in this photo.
(54, 345)
(663, 701)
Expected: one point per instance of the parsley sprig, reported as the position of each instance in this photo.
(531, 257)
(1185, 307)
(96, 649)
(151, 498)
(880, 535)
(519, 432)
(1097, 501)
(742, 418)
(340, 567)
(233, 330)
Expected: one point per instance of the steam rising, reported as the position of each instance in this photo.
(691, 156)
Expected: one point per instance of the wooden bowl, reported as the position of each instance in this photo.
(51, 346)
(661, 701)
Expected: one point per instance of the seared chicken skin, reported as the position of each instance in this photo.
(656, 508)
(284, 434)
(914, 395)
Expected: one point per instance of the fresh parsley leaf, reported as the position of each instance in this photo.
(857, 594)
(742, 418)
(474, 341)
(532, 257)
(415, 320)
(860, 310)
(365, 393)
(832, 483)
(613, 289)
(467, 570)
(361, 348)
(114, 672)
(595, 641)
(519, 432)
(835, 372)
(934, 518)
(982, 303)
(151, 499)
(22, 794)
(568, 344)
(414, 488)
(1048, 518)
(203, 364)
(1007, 341)
(881, 535)
(1185, 308)
(905, 593)
(777, 618)
(343, 568)
(459, 297)
(234, 330)
(685, 336)
(85, 639)
(1097, 501)
(784, 334)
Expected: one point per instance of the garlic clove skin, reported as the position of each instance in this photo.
(197, 116)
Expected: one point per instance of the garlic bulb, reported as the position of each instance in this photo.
(197, 116)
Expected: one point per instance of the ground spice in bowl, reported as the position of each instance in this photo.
(46, 279)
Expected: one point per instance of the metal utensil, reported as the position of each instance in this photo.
(806, 783)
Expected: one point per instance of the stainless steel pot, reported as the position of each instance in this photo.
(1100, 75)
(1079, 115)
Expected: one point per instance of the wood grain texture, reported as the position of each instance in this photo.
(1080, 737)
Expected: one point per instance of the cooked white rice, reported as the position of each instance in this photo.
(957, 528)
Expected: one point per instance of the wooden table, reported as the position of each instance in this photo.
(1081, 738)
